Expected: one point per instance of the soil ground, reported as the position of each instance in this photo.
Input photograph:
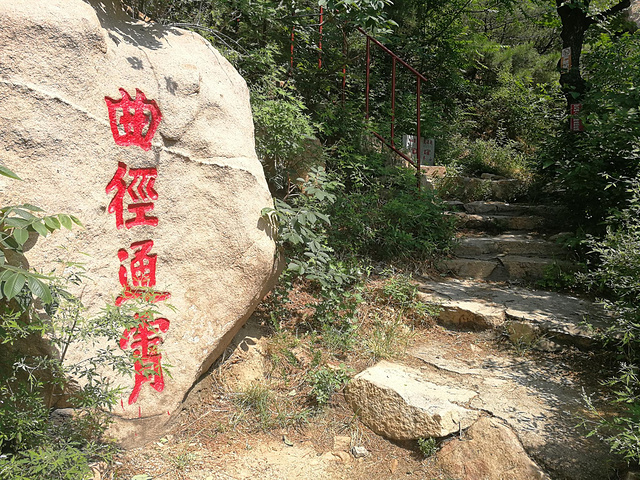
(214, 438)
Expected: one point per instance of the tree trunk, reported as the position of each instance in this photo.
(575, 22)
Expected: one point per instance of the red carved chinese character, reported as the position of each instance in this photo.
(145, 341)
(140, 190)
(133, 122)
(143, 274)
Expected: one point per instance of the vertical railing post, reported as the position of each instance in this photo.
(367, 87)
(320, 40)
(419, 132)
(393, 100)
(293, 30)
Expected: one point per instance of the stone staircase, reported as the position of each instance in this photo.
(491, 280)
(501, 241)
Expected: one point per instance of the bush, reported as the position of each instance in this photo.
(380, 214)
(33, 374)
(618, 276)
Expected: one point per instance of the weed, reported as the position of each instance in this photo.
(257, 397)
(326, 381)
(388, 338)
(427, 446)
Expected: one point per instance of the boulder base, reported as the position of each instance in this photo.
(488, 451)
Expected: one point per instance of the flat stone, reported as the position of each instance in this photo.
(508, 243)
(489, 450)
(397, 402)
(503, 222)
(470, 267)
(523, 267)
(556, 316)
(535, 397)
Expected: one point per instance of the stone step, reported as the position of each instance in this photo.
(508, 243)
(499, 222)
(503, 189)
(537, 317)
(504, 267)
(503, 208)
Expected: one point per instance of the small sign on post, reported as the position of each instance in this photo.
(565, 61)
(427, 148)
(575, 124)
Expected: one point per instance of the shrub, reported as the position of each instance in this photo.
(618, 276)
(380, 214)
(32, 372)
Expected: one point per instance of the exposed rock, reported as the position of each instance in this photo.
(359, 451)
(509, 243)
(488, 451)
(537, 398)
(215, 254)
(246, 363)
(342, 442)
(397, 402)
(470, 267)
(477, 305)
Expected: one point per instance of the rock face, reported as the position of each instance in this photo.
(168, 186)
(397, 402)
(488, 451)
(538, 399)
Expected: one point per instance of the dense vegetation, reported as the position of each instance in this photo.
(495, 102)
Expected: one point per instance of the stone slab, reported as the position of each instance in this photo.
(536, 398)
(397, 402)
(554, 315)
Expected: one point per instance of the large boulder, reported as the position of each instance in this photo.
(145, 134)
(399, 403)
(489, 450)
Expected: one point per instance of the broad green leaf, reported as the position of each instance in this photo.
(39, 227)
(12, 285)
(16, 222)
(52, 223)
(76, 220)
(40, 289)
(21, 235)
(33, 208)
(24, 214)
(8, 173)
(65, 220)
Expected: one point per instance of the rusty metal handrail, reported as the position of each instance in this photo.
(419, 78)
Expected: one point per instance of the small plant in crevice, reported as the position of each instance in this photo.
(427, 446)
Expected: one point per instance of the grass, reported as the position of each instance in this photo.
(314, 349)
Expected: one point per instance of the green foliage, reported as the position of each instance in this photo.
(33, 372)
(618, 275)
(381, 215)
(325, 381)
(51, 462)
(592, 166)
(285, 140)
(302, 224)
(427, 446)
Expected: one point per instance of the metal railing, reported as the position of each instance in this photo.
(419, 78)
